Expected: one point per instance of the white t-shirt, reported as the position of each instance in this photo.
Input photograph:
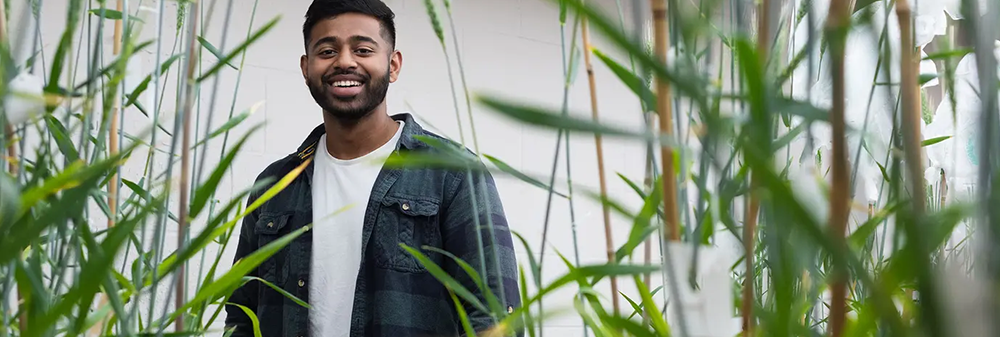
(336, 238)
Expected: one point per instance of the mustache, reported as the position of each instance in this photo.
(328, 77)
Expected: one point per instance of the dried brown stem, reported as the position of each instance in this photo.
(116, 46)
(3, 22)
(666, 121)
(600, 158)
(910, 104)
(910, 112)
(648, 185)
(837, 25)
(749, 237)
(753, 207)
(113, 138)
(182, 222)
(22, 319)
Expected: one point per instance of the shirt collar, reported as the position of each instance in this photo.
(407, 140)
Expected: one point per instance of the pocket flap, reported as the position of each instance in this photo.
(412, 206)
(271, 223)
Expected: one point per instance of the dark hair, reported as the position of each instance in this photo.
(326, 9)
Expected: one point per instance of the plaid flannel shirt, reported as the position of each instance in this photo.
(395, 295)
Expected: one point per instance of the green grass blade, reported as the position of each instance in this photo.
(655, 315)
(230, 124)
(491, 299)
(444, 278)
(536, 272)
(234, 276)
(634, 328)
(207, 189)
(935, 140)
(215, 51)
(556, 120)
(636, 308)
(139, 89)
(253, 318)
(111, 14)
(462, 315)
(61, 135)
(631, 80)
(435, 22)
(239, 49)
(279, 290)
(172, 262)
(518, 174)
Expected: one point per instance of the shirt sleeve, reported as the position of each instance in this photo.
(475, 218)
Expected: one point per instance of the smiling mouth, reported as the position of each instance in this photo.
(346, 84)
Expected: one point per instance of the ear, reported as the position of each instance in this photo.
(303, 62)
(395, 64)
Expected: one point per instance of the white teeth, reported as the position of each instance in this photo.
(346, 83)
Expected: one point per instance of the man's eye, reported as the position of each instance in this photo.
(365, 51)
(326, 52)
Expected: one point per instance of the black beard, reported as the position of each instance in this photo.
(354, 108)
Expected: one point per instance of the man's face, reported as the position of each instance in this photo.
(348, 65)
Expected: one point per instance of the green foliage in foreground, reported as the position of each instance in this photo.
(70, 278)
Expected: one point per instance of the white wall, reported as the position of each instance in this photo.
(509, 47)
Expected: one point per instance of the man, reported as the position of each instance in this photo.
(350, 267)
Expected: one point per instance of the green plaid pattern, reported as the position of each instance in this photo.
(395, 295)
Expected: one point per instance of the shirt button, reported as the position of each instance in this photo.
(406, 206)
(302, 283)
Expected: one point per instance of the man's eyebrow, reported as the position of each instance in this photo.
(353, 39)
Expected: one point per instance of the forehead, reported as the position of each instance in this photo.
(347, 25)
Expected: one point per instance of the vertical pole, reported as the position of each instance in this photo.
(182, 215)
(600, 159)
(664, 109)
(838, 23)
(113, 135)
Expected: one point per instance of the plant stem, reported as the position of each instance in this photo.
(185, 162)
(600, 159)
(837, 26)
(662, 45)
(116, 45)
(753, 207)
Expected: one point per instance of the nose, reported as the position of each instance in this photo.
(345, 60)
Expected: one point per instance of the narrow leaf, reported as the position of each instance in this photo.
(514, 172)
(444, 278)
(215, 51)
(239, 49)
(632, 81)
(932, 141)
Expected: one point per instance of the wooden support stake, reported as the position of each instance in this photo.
(600, 159)
(113, 134)
(182, 222)
(837, 25)
(664, 109)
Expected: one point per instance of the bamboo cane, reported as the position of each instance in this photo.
(836, 25)
(910, 110)
(12, 153)
(22, 319)
(116, 46)
(113, 141)
(600, 158)
(753, 206)
(182, 222)
(664, 109)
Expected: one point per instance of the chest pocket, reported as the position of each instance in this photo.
(270, 227)
(408, 220)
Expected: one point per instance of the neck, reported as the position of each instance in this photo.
(349, 139)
